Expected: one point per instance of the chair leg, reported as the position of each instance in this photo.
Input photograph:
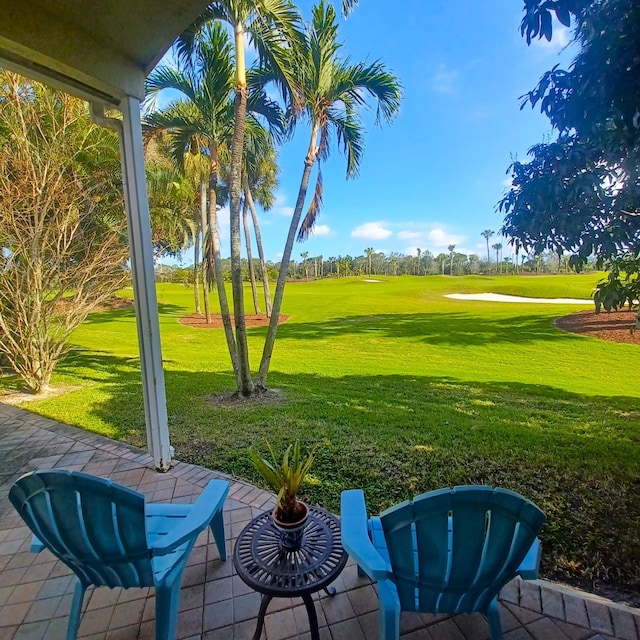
(167, 603)
(493, 618)
(217, 528)
(389, 624)
(76, 610)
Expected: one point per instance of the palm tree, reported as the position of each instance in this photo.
(369, 253)
(260, 176)
(332, 92)
(195, 166)
(273, 28)
(451, 249)
(206, 79)
(250, 266)
(486, 235)
(304, 255)
(496, 247)
(419, 252)
(202, 115)
(171, 197)
(394, 265)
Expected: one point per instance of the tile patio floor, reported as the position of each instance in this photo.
(35, 590)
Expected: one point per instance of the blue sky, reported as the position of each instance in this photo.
(433, 177)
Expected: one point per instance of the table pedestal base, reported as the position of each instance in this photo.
(309, 606)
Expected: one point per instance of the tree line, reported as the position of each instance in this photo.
(381, 264)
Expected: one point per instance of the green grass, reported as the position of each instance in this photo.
(406, 391)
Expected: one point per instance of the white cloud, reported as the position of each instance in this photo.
(321, 230)
(409, 235)
(281, 207)
(438, 237)
(372, 231)
(428, 237)
(444, 80)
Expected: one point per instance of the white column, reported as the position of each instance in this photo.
(144, 290)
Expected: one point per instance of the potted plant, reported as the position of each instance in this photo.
(285, 475)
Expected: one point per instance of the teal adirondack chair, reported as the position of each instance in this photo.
(109, 536)
(448, 551)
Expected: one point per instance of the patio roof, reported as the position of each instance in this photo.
(96, 50)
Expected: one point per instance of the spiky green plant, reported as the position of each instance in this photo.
(284, 475)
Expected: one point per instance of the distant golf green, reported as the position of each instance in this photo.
(406, 391)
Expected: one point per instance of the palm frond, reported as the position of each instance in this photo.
(314, 209)
(348, 6)
(374, 79)
(259, 104)
(186, 42)
(275, 30)
(169, 77)
(350, 139)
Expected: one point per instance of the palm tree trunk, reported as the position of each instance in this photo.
(235, 189)
(252, 273)
(217, 260)
(196, 266)
(269, 342)
(205, 241)
(263, 264)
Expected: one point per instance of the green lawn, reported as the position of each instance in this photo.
(407, 391)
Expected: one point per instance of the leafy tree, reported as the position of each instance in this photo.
(621, 287)
(332, 92)
(580, 194)
(62, 228)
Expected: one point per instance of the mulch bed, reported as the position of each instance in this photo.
(615, 326)
(198, 320)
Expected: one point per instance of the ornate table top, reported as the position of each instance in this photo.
(265, 566)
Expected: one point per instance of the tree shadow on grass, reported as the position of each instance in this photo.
(434, 328)
(400, 435)
(129, 313)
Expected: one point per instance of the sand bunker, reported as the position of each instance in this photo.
(500, 297)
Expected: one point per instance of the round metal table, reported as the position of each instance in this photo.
(266, 567)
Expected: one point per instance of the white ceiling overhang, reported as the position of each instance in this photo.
(96, 50)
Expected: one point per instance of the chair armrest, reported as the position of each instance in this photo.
(528, 569)
(355, 536)
(198, 519)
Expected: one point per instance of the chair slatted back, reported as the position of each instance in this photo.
(467, 543)
(95, 527)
